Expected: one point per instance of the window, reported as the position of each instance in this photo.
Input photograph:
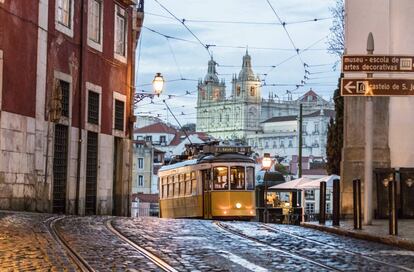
(119, 115)
(238, 90)
(316, 128)
(252, 91)
(64, 12)
(95, 21)
(206, 179)
(290, 143)
(328, 208)
(310, 208)
(140, 181)
(187, 184)
(140, 163)
(220, 178)
(250, 178)
(309, 194)
(176, 188)
(148, 138)
(282, 144)
(163, 139)
(65, 97)
(93, 108)
(120, 31)
(237, 181)
(193, 183)
(164, 190)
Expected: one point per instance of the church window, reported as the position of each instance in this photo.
(282, 144)
(252, 91)
(238, 90)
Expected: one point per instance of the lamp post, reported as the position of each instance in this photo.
(157, 85)
(266, 164)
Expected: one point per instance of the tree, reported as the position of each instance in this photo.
(336, 40)
(335, 135)
(190, 127)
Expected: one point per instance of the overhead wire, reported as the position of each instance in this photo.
(241, 22)
(183, 23)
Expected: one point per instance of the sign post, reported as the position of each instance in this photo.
(377, 63)
(377, 87)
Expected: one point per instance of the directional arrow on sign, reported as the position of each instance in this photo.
(348, 87)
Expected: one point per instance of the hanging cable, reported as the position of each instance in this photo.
(183, 23)
(175, 59)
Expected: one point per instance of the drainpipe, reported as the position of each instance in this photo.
(80, 103)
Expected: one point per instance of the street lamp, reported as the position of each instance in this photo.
(266, 164)
(157, 86)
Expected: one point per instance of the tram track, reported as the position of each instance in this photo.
(80, 262)
(153, 258)
(294, 255)
(336, 247)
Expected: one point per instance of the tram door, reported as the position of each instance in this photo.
(206, 177)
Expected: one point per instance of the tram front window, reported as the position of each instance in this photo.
(237, 181)
(220, 178)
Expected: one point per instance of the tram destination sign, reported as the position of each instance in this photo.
(377, 87)
(377, 63)
(227, 149)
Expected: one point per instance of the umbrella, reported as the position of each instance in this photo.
(292, 185)
(316, 183)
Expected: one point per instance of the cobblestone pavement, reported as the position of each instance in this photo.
(27, 245)
(336, 251)
(100, 248)
(194, 244)
(187, 245)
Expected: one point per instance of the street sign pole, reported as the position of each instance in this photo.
(369, 120)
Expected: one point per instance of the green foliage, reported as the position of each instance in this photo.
(281, 169)
(335, 136)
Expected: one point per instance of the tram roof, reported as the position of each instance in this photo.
(178, 164)
(226, 157)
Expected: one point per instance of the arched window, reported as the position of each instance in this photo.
(238, 91)
(252, 91)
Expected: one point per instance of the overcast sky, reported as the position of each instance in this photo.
(177, 59)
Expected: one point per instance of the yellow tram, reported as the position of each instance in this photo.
(219, 183)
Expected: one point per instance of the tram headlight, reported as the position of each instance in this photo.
(225, 212)
(238, 205)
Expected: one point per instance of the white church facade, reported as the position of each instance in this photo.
(234, 117)
(242, 115)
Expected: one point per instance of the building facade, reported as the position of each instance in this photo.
(67, 68)
(279, 135)
(234, 117)
(240, 115)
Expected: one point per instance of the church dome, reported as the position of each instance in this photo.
(246, 73)
(211, 75)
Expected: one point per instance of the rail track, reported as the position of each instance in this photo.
(76, 258)
(336, 247)
(293, 255)
(83, 265)
(153, 258)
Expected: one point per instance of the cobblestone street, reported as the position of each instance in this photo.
(27, 243)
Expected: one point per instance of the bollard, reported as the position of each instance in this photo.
(336, 199)
(322, 202)
(392, 206)
(357, 204)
